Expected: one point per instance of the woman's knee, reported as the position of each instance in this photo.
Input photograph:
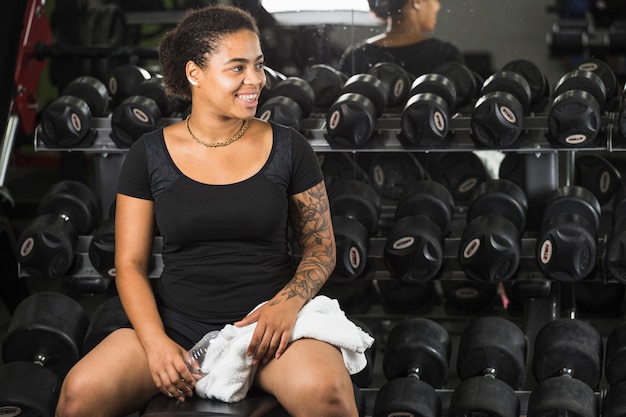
(326, 396)
(74, 399)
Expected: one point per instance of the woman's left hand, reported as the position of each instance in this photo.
(275, 320)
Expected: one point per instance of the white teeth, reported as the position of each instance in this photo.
(248, 97)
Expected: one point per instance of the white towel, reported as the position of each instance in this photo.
(229, 370)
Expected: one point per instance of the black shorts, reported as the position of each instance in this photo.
(183, 330)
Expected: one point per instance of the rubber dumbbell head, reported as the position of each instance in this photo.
(326, 82)
(107, 317)
(465, 81)
(567, 238)
(615, 259)
(396, 80)
(498, 115)
(414, 246)
(426, 115)
(272, 78)
(608, 77)
(134, 117)
(489, 249)
(567, 364)
(598, 175)
(123, 80)
(540, 89)
(392, 173)
(459, 172)
(415, 363)
(46, 247)
(298, 90)
(574, 119)
(154, 89)
(355, 207)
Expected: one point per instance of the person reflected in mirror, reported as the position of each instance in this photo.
(406, 41)
(221, 187)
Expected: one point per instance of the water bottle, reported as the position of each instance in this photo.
(195, 356)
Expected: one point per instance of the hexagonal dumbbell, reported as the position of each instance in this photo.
(567, 239)
(567, 365)
(415, 364)
(414, 246)
(66, 122)
(42, 343)
(355, 208)
(291, 100)
(46, 247)
(490, 364)
(489, 249)
(426, 115)
(352, 118)
(397, 82)
(580, 98)
(498, 116)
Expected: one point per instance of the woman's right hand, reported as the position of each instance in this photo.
(168, 369)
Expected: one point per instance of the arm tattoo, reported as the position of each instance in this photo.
(310, 218)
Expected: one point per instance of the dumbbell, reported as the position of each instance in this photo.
(140, 112)
(392, 172)
(291, 100)
(466, 82)
(123, 79)
(66, 122)
(397, 82)
(489, 249)
(615, 257)
(108, 316)
(497, 118)
(425, 119)
(342, 165)
(459, 172)
(580, 98)
(567, 237)
(364, 378)
(567, 365)
(46, 247)
(491, 365)
(41, 344)
(415, 365)
(272, 78)
(326, 82)
(540, 88)
(621, 114)
(352, 118)
(355, 208)
(598, 175)
(414, 247)
(614, 404)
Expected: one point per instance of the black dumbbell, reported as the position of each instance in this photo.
(355, 208)
(141, 112)
(352, 118)
(580, 98)
(425, 119)
(567, 238)
(326, 82)
(396, 80)
(46, 247)
(414, 246)
(42, 343)
(567, 365)
(615, 257)
(101, 253)
(123, 79)
(106, 318)
(540, 89)
(415, 364)
(459, 172)
(291, 100)
(621, 115)
(272, 78)
(66, 122)
(491, 365)
(614, 404)
(490, 246)
(466, 82)
(341, 165)
(497, 118)
(392, 172)
(598, 175)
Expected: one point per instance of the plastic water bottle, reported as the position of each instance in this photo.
(195, 356)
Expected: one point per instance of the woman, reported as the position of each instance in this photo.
(405, 41)
(221, 186)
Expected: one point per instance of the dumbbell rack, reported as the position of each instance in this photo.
(551, 167)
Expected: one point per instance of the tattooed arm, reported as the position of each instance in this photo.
(311, 221)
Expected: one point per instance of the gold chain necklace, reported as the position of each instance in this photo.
(227, 142)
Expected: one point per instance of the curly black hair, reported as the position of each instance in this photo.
(195, 38)
(385, 8)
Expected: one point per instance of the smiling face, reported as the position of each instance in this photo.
(232, 80)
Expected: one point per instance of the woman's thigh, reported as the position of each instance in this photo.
(113, 377)
(307, 364)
